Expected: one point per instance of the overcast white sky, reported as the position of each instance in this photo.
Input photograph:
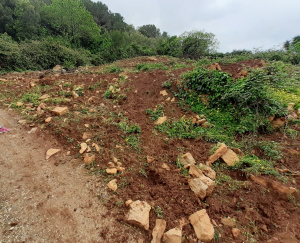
(237, 24)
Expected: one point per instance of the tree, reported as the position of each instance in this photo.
(6, 16)
(150, 31)
(198, 43)
(27, 22)
(72, 20)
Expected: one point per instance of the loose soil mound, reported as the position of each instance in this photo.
(260, 213)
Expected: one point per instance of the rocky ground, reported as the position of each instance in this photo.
(135, 189)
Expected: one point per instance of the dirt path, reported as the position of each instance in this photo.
(40, 201)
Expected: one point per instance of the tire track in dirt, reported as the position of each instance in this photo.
(42, 202)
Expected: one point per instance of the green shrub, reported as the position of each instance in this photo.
(156, 113)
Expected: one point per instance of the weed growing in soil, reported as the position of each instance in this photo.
(158, 211)
(114, 69)
(271, 149)
(167, 84)
(134, 142)
(123, 126)
(156, 113)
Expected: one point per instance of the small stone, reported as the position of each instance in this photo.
(87, 125)
(165, 166)
(139, 214)
(39, 111)
(112, 185)
(60, 110)
(236, 233)
(187, 159)
(194, 120)
(96, 147)
(291, 107)
(83, 148)
(163, 93)
(158, 231)
(128, 202)
(33, 130)
(206, 124)
(111, 171)
(88, 159)
(168, 99)
(228, 222)
(51, 152)
(173, 236)
(161, 120)
(111, 165)
(217, 154)
(45, 96)
(203, 227)
(75, 95)
(19, 104)
(150, 159)
(22, 122)
(230, 157)
(201, 121)
(85, 136)
(278, 122)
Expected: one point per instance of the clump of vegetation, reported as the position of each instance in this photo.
(123, 126)
(156, 113)
(149, 67)
(115, 69)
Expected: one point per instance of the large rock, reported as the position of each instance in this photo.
(139, 214)
(203, 228)
(158, 231)
(273, 185)
(51, 152)
(217, 154)
(198, 187)
(173, 236)
(236, 233)
(194, 171)
(230, 157)
(208, 171)
(163, 93)
(187, 159)
(60, 110)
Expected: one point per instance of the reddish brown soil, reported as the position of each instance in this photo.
(258, 211)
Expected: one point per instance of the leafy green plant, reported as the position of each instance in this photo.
(123, 126)
(115, 69)
(149, 67)
(167, 84)
(156, 113)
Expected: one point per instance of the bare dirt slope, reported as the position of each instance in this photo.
(40, 201)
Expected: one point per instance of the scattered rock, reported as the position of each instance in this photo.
(57, 68)
(291, 107)
(111, 165)
(168, 99)
(161, 120)
(163, 93)
(173, 236)
(83, 147)
(112, 185)
(43, 106)
(236, 233)
(120, 169)
(33, 130)
(128, 202)
(75, 95)
(150, 159)
(60, 110)
(19, 104)
(208, 171)
(215, 66)
(202, 226)
(238, 152)
(173, 99)
(22, 122)
(139, 214)
(228, 222)
(39, 111)
(165, 166)
(51, 152)
(293, 116)
(198, 187)
(45, 96)
(274, 185)
(206, 124)
(111, 171)
(278, 122)
(200, 122)
(85, 136)
(158, 231)
(89, 159)
(217, 154)
(187, 159)
(194, 171)
(96, 147)
(230, 157)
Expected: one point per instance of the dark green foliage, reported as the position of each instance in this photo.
(156, 113)
(150, 31)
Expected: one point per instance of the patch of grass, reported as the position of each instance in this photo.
(123, 126)
(31, 98)
(291, 132)
(156, 113)
(158, 211)
(167, 84)
(114, 69)
(134, 142)
(271, 149)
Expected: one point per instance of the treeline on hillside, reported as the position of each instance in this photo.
(39, 34)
